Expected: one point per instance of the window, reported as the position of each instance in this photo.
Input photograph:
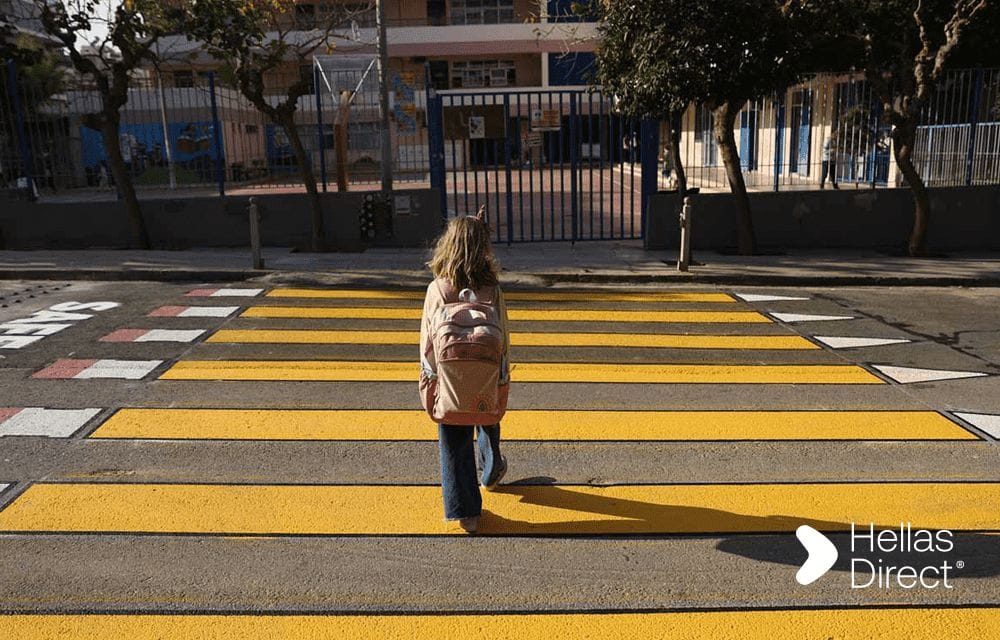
(483, 73)
(307, 73)
(183, 79)
(362, 13)
(482, 11)
(363, 135)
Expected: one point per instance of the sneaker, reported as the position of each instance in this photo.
(470, 524)
(498, 475)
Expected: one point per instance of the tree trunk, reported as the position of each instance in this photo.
(123, 180)
(904, 136)
(318, 240)
(675, 152)
(725, 120)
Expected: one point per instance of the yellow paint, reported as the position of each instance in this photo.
(546, 315)
(543, 296)
(842, 624)
(521, 339)
(546, 509)
(262, 424)
(373, 371)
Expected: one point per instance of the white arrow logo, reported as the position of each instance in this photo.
(822, 555)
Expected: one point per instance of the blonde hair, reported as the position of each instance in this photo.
(464, 256)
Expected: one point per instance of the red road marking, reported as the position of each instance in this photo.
(6, 413)
(124, 335)
(169, 312)
(201, 293)
(64, 368)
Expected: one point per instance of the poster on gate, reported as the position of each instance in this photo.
(545, 119)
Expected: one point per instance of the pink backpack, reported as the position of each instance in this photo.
(468, 344)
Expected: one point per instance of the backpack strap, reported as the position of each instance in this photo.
(450, 294)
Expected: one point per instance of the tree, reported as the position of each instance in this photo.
(661, 55)
(254, 38)
(133, 27)
(634, 70)
(907, 48)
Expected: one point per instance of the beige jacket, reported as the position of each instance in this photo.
(433, 301)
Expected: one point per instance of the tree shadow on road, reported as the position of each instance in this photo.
(762, 538)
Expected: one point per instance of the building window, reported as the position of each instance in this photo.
(363, 135)
(183, 79)
(482, 11)
(483, 73)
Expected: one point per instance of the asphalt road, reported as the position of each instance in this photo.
(172, 456)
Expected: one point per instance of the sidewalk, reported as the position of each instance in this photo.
(539, 264)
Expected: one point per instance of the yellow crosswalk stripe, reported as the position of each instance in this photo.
(539, 315)
(542, 296)
(844, 624)
(372, 371)
(277, 424)
(543, 510)
(520, 339)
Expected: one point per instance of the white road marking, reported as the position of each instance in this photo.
(236, 293)
(907, 375)
(52, 423)
(208, 312)
(3, 486)
(170, 335)
(844, 342)
(985, 421)
(121, 369)
(805, 317)
(763, 297)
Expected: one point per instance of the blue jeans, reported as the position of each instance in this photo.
(459, 483)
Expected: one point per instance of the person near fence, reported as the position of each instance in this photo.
(464, 370)
(829, 162)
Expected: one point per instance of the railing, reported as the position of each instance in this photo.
(828, 132)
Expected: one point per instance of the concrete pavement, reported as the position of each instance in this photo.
(535, 264)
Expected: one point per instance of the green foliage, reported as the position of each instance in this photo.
(657, 56)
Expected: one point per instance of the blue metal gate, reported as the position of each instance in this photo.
(548, 164)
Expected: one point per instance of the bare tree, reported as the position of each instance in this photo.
(109, 62)
(255, 39)
(907, 50)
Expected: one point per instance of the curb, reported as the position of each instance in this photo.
(150, 275)
(543, 278)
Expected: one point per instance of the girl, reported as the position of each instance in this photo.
(463, 259)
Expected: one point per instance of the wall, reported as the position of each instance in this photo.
(210, 222)
(961, 218)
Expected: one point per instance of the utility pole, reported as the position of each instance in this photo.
(383, 98)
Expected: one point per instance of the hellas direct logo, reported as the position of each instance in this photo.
(865, 573)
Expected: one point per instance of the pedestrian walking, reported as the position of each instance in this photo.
(829, 163)
(464, 369)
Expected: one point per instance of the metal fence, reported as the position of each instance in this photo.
(555, 164)
(828, 132)
(169, 132)
(193, 133)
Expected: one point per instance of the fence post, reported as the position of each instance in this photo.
(435, 142)
(220, 173)
(27, 164)
(319, 126)
(255, 252)
(876, 127)
(685, 222)
(649, 135)
(779, 139)
(574, 163)
(970, 159)
(507, 152)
